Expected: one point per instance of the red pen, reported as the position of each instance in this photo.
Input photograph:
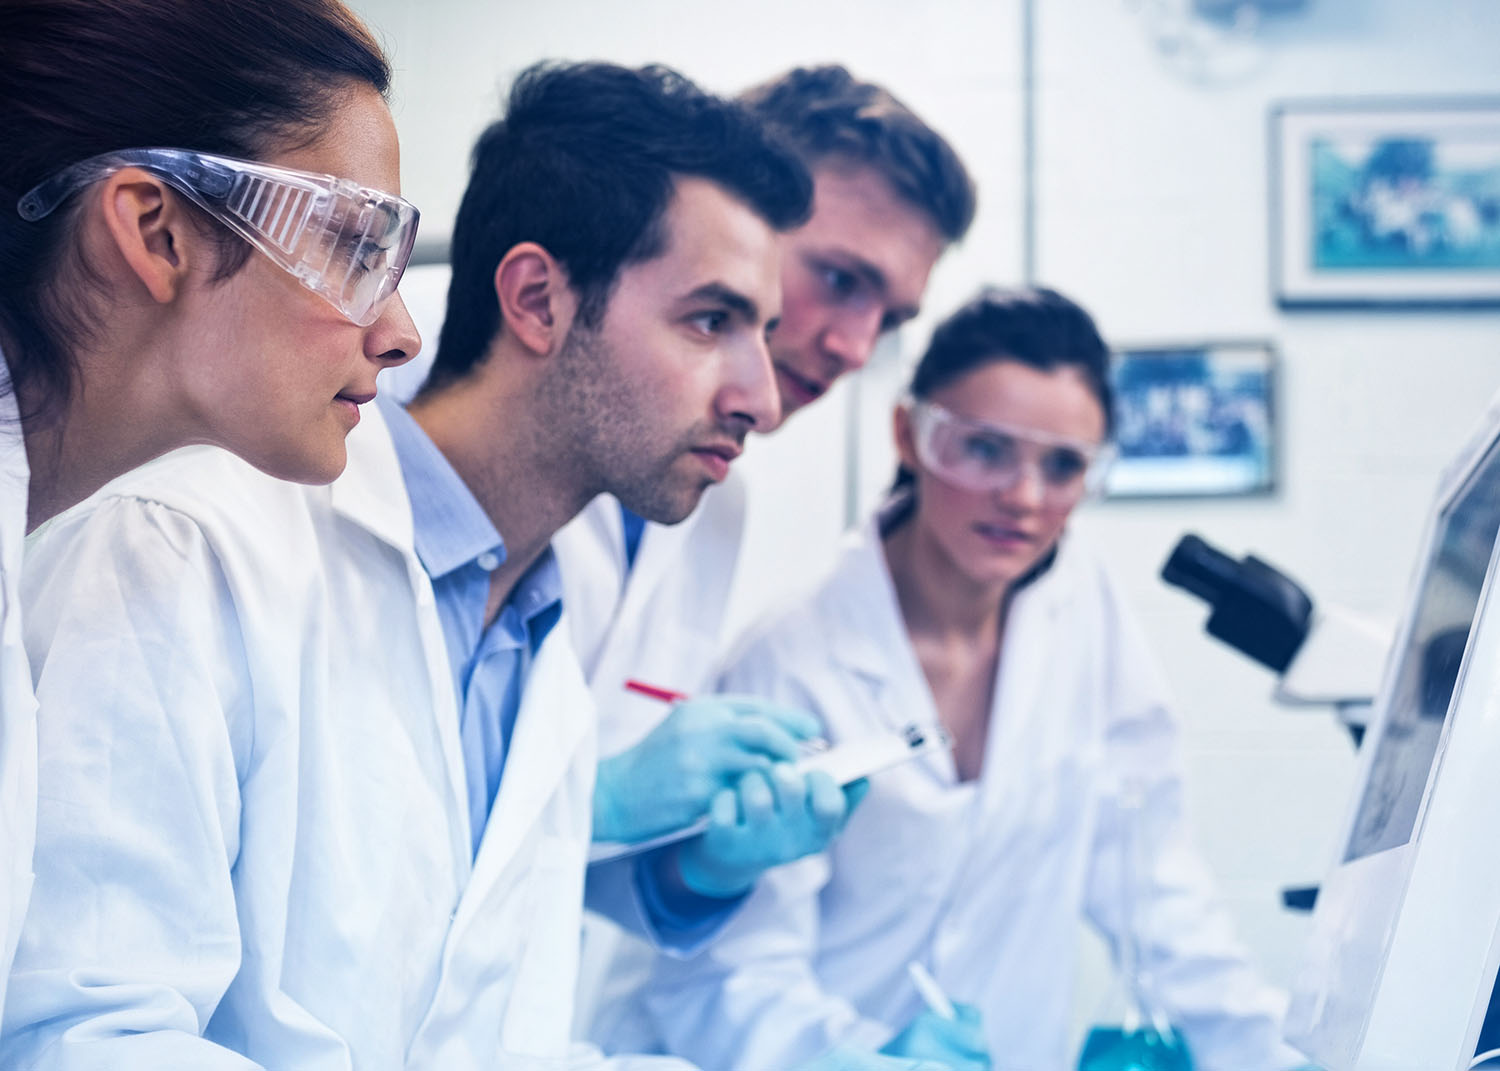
(667, 695)
(651, 691)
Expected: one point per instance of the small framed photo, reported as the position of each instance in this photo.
(1193, 420)
(1386, 203)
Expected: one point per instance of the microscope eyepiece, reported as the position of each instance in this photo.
(1201, 569)
(1256, 609)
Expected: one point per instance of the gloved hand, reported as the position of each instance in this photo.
(959, 1043)
(763, 823)
(845, 1059)
(668, 780)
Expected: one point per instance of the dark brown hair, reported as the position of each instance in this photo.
(829, 115)
(1034, 326)
(83, 77)
(584, 163)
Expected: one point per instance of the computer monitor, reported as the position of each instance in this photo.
(1401, 964)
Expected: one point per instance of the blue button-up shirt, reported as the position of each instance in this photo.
(460, 548)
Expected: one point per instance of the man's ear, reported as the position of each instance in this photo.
(537, 305)
(153, 232)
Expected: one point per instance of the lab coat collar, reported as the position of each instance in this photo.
(662, 548)
(870, 628)
(15, 473)
(372, 493)
(450, 527)
(870, 640)
(864, 577)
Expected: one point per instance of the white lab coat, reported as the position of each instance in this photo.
(17, 701)
(984, 882)
(663, 622)
(253, 830)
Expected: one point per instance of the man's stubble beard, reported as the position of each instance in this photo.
(604, 437)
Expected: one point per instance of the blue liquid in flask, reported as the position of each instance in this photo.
(1113, 1048)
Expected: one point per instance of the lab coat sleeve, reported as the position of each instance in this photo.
(587, 1057)
(1200, 974)
(624, 891)
(133, 937)
(752, 1000)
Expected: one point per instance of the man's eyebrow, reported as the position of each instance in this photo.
(726, 296)
(894, 315)
(897, 317)
(844, 260)
(873, 275)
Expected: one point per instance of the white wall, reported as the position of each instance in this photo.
(1151, 210)
(960, 67)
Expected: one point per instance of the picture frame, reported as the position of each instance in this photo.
(1385, 203)
(1194, 421)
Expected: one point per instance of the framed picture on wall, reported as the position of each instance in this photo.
(1193, 420)
(1386, 203)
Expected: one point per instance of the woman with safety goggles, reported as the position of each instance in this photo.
(200, 240)
(967, 606)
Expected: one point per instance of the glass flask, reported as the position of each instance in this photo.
(1143, 1039)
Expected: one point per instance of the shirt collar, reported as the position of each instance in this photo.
(540, 587)
(451, 528)
(537, 598)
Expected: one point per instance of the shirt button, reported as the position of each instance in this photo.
(488, 562)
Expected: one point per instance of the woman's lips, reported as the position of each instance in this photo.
(1003, 536)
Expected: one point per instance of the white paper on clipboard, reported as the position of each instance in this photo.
(847, 762)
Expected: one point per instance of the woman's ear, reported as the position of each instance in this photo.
(537, 305)
(905, 436)
(152, 230)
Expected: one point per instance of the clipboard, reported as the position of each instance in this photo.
(845, 763)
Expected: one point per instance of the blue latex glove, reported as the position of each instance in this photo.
(767, 820)
(704, 746)
(845, 1059)
(958, 1043)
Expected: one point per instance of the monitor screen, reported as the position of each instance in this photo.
(1422, 693)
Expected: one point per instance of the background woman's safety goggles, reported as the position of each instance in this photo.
(978, 455)
(346, 243)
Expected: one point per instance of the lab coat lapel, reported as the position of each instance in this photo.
(372, 494)
(1032, 687)
(862, 643)
(1019, 784)
(555, 716)
(371, 491)
(870, 641)
(661, 545)
(669, 625)
(590, 553)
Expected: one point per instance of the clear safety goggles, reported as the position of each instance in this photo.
(978, 455)
(346, 243)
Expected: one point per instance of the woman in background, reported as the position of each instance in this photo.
(200, 240)
(966, 605)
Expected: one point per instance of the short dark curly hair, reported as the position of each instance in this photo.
(828, 114)
(584, 163)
